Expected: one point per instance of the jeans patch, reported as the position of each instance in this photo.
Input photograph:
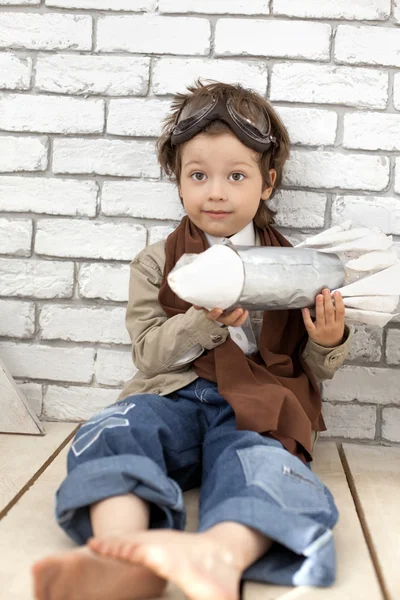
(109, 418)
(284, 478)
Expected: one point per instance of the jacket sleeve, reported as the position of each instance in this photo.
(158, 341)
(324, 362)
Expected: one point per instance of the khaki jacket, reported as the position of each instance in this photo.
(159, 342)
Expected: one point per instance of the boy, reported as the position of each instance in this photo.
(228, 400)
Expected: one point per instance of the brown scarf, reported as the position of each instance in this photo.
(272, 392)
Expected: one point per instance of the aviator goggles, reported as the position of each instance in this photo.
(188, 124)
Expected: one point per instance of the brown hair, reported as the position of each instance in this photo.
(250, 105)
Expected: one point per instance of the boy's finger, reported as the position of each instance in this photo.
(339, 306)
(328, 306)
(307, 320)
(319, 310)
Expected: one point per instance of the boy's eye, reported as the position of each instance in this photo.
(236, 176)
(194, 176)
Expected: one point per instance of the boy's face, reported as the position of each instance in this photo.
(221, 183)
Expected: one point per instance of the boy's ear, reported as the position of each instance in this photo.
(267, 191)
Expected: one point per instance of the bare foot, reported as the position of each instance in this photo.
(201, 567)
(83, 575)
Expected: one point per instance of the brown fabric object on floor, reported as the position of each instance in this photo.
(272, 392)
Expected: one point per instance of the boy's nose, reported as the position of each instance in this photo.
(217, 191)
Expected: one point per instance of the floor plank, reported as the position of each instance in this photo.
(356, 578)
(29, 532)
(22, 457)
(375, 474)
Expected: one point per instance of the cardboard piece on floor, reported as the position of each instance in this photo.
(16, 416)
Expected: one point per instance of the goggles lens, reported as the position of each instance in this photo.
(188, 119)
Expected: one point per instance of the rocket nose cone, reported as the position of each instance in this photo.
(212, 279)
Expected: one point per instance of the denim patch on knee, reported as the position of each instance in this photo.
(110, 418)
(284, 478)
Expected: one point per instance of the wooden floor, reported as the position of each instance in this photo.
(365, 481)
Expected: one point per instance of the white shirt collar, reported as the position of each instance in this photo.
(244, 237)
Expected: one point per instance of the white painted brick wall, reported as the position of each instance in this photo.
(51, 114)
(17, 319)
(329, 84)
(154, 35)
(15, 71)
(106, 75)
(84, 87)
(391, 424)
(339, 9)
(81, 324)
(52, 31)
(371, 211)
(48, 196)
(170, 75)
(222, 7)
(108, 282)
(368, 45)
(287, 39)
(89, 239)
(15, 236)
(23, 153)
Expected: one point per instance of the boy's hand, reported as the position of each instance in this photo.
(328, 328)
(234, 318)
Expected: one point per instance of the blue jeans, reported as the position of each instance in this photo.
(156, 447)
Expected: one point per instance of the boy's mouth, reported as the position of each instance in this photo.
(217, 214)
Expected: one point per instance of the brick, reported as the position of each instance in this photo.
(15, 71)
(15, 237)
(137, 117)
(368, 211)
(84, 74)
(318, 169)
(152, 35)
(126, 5)
(397, 179)
(51, 114)
(299, 209)
(50, 196)
(172, 75)
(108, 282)
(17, 319)
(114, 367)
(391, 424)
(396, 91)
(79, 324)
(366, 345)
(119, 158)
(36, 278)
(76, 403)
(86, 239)
(365, 384)
(367, 45)
(372, 131)
(222, 7)
(141, 199)
(47, 31)
(373, 10)
(21, 2)
(329, 84)
(23, 154)
(309, 126)
(291, 39)
(33, 392)
(396, 11)
(393, 347)
(48, 362)
(349, 421)
(159, 232)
